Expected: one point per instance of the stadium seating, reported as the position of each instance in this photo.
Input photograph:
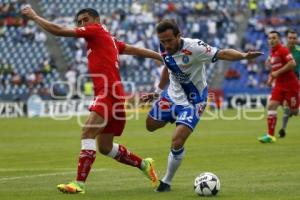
(133, 22)
(23, 60)
(255, 38)
(139, 31)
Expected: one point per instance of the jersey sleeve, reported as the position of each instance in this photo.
(205, 52)
(87, 31)
(120, 45)
(286, 55)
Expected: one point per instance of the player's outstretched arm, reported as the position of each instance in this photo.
(137, 51)
(47, 25)
(232, 55)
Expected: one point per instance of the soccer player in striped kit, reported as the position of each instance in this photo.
(184, 100)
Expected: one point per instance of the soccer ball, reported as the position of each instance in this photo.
(207, 184)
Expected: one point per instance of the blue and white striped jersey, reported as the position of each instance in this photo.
(187, 71)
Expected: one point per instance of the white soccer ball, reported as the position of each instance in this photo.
(207, 184)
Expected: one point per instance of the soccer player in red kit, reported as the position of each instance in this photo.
(107, 117)
(286, 86)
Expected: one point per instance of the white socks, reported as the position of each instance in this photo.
(88, 144)
(174, 161)
(114, 151)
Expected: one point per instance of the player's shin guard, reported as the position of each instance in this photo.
(174, 161)
(272, 119)
(122, 155)
(86, 159)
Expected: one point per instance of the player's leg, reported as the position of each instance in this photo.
(93, 126)
(119, 152)
(153, 124)
(160, 114)
(272, 119)
(285, 119)
(182, 132)
(277, 98)
(292, 108)
(187, 119)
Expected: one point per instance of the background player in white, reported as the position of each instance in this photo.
(184, 100)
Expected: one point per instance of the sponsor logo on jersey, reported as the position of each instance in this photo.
(208, 48)
(187, 52)
(164, 104)
(181, 77)
(185, 59)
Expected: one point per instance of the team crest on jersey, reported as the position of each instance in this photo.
(185, 59)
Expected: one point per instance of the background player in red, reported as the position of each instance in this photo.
(286, 86)
(292, 45)
(107, 117)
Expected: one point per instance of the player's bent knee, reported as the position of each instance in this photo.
(90, 132)
(104, 150)
(177, 143)
(150, 127)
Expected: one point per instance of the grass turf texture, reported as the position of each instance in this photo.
(39, 153)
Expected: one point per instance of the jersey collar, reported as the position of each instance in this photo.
(276, 47)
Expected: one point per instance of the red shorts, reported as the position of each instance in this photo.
(291, 96)
(113, 111)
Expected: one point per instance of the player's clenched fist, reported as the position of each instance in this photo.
(28, 12)
(149, 97)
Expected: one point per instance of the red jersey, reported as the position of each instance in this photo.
(279, 56)
(103, 58)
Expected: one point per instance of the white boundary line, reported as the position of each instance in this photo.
(43, 175)
(35, 169)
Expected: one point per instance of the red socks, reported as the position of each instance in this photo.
(126, 157)
(86, 159)
(88, 154)
(272, 119)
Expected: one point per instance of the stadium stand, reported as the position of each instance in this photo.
(132, 22)
(26, 66)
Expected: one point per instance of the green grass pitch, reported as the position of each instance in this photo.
(39, 153)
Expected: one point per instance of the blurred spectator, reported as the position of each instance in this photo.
(253, 7)
(88, 88)
(268, 4)
(29, 31)
(252, 67)
(30, 79)
(232, 74)
(71, 75)
(40, 36)
(16, 79)
(252, 81)
(3, 28)
(232, 39)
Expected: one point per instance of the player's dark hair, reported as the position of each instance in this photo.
(290, 31)
(275, 32)
(90, 11)
(167, 24)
